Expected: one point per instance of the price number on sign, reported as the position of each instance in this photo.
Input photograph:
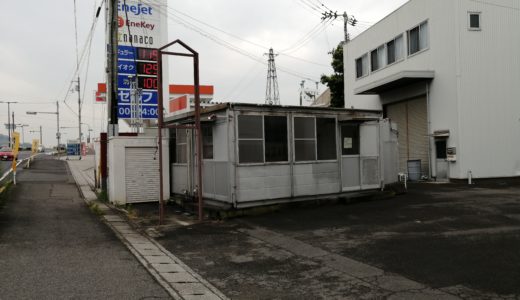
(147, 54)
(147, 68)
(147, 83)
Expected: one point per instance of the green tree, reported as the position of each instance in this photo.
(335, 82)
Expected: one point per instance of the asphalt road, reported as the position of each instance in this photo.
(53, 247)
(458, 239)
(6, 165)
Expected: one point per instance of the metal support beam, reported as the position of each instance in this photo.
(197, 127)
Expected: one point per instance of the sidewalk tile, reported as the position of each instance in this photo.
(179, 277)
(167, 268)
(190, 288)
(158, 259)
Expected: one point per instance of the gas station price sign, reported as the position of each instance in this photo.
(147, 68)
(141, 64)
(147, 54)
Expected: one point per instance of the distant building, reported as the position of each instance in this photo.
(323, 100)
(448, 73)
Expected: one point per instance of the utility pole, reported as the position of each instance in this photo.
(57, 113)
(8, 118)
(112, 68)
(58, 134)
(346, 20)
(40, 131)
(23, 132)
(79, 114)
(272, 96)
(14, 124)
(317, 91)
(302, 84)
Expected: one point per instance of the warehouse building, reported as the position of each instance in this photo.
(448, 74)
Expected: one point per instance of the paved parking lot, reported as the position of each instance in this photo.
(439, 241)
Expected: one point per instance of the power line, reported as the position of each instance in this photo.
(497, 5)
(219, 30)
(226, 44)
(69, 83)
(304, 60)
(312, 6)
(308, 37)
(244, 40)
(88, 62)
(325, 6)
(76, 34)
(313, 12)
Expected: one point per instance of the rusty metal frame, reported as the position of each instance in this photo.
(197, 127)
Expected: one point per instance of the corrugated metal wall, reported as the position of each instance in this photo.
(412, 123)
(141, 174)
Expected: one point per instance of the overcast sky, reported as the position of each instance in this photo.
(38, 52)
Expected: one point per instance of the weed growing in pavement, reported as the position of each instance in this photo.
(102, 196)
(131, 212)
(94, 207)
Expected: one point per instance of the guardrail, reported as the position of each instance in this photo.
(5, 177)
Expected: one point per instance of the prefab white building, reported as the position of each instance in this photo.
(448, 73)
(259, 155)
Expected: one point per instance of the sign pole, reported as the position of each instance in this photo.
(16, 146)
(112, 68)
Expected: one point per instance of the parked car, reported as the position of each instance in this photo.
(6, 153)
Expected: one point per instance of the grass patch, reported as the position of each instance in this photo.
(102, 196)
(132, 213)
(94, 207)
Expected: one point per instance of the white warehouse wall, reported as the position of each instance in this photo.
(489, 89)
(469, 95)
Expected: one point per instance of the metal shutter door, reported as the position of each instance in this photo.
(412, 123)
(397, 113)
(418, 133)
(142, 175)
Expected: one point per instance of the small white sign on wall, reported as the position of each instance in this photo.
(347, 143)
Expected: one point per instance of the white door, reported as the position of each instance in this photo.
(142, 174)
(350, 172)
(369, 155)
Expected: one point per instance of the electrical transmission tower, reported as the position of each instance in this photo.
(272, 96)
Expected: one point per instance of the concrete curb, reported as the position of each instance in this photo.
(180, 281)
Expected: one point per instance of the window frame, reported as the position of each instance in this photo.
(209, 127)
(381, 64)
(264, 162)
(408, 40)
(366, 56)
(315, 139)
(479, 14)
(238, 139)
(396, 59)
(185, 143)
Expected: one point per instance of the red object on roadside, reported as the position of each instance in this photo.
(6, 153)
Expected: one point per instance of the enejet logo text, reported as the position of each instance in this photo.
(136, 9)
